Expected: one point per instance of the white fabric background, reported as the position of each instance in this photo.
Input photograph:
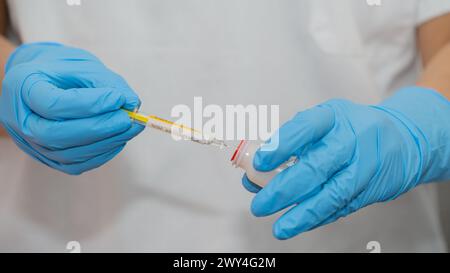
(164, 196)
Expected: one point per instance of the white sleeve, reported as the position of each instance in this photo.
(429, 9)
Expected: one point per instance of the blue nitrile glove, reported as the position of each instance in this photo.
(351, 156)
(61, 105)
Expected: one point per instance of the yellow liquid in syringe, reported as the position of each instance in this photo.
(179, 130)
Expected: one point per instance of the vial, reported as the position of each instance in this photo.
(243, 158)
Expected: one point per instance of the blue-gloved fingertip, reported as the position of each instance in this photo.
(113, 100)
(260, 162)
(249, 185)
(259, 206)
(132, 103)
(280, 233)
(139, 128)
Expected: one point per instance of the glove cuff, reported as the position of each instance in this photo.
(22, 55)
(426, 114)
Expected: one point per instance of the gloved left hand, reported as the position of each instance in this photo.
(351, 156)
(62, 106)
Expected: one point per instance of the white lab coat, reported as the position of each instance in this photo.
(161, 195)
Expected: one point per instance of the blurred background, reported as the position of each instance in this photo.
(444, 201)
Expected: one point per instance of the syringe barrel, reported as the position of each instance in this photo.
(178, 131)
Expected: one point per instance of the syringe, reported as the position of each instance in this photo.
(179, 130)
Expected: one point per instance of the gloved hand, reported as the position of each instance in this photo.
(351, 156)
(61, 105)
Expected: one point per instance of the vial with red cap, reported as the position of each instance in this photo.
(243, 158)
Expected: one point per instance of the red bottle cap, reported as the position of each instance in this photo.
(237, 150)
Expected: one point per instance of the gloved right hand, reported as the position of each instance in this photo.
(351, 156)
(61, 106)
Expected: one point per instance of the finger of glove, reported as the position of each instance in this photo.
(334, 196)
(313, 169)
(59, 135)
(72, 169)
(79, 168)
(83, 153)
(354, 205)
(249, 185)
(51, 102)
(91, 74)
(304, 129)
